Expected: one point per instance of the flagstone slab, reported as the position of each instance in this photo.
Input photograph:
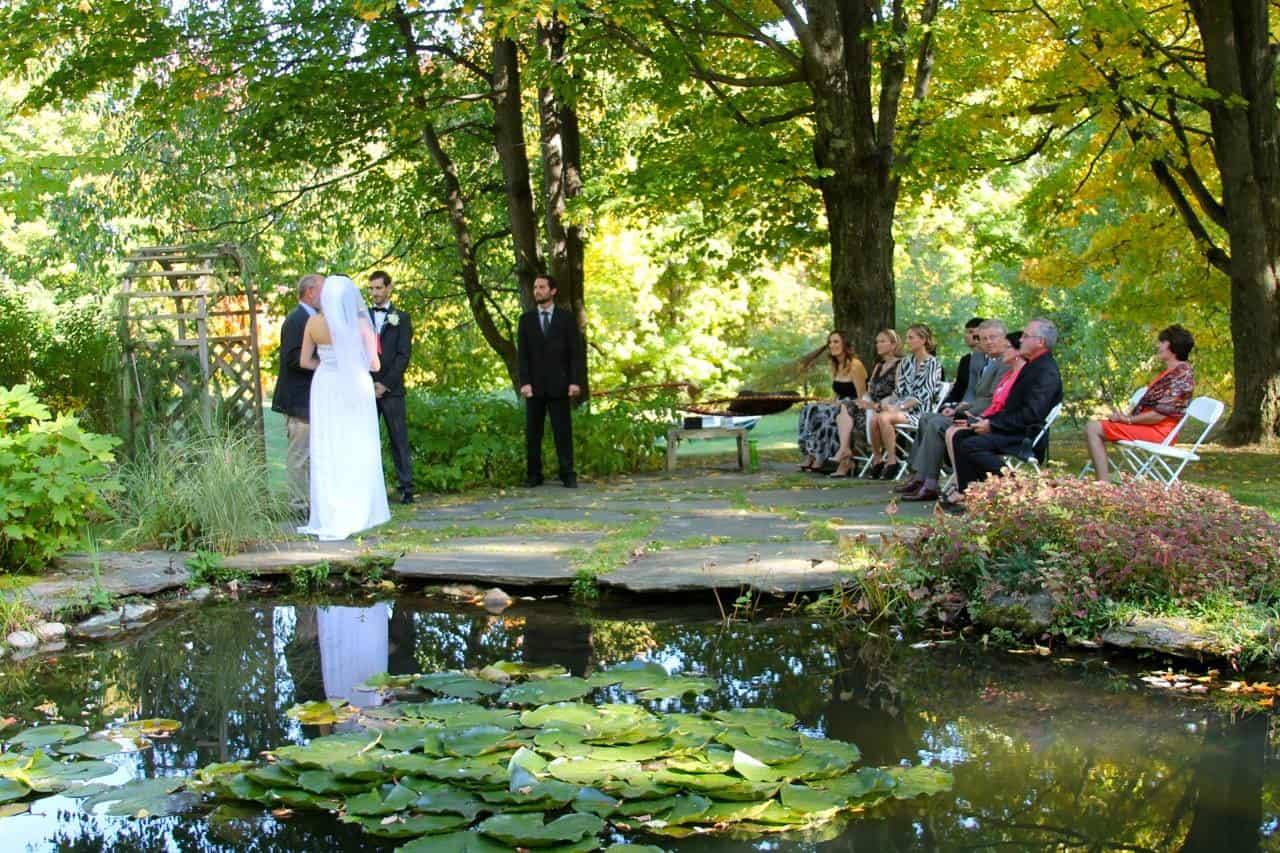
(811, 497)
(767, 567)
(729, 524)
(279, 558)
(513, 561)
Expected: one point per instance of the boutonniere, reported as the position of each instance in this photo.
(393, 318)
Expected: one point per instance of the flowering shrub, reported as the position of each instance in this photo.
(1085, 542)
(53, 474)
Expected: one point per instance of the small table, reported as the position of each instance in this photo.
(677, 434)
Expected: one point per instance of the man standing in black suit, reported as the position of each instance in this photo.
(292, 397)
(552, 371)
(1035, 392)
(395, 345)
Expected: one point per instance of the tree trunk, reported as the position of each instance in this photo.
(859, 190)
(1240, 65)
(561, 181)
(508, 132)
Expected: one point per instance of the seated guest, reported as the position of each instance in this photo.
(1037, 389)
(819, 438)
(1012, 362)
(851, 420)
(929, 450)
(919, 382)
(1159, 410)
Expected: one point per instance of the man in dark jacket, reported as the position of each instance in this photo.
(1035, 392)
(395, 345)
(292, 397)
(552, 370)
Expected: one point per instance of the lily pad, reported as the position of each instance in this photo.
(718, 785)
(41, 736)
(325, 751)
(440, 798)
(324, 782)
(756, 718)
(919, 781)
(41, 773)
(812, 802)
(545, 691)
(478, 740)
(460, 714)
(322, 712)
(385, 681)
(770, 750)
(588, 771)
(408, 826)
(530, 671)
(14, 809)
(457, 842)
(91, 748)
(863, 786)
(456, 684)
(394, 798)
(143, 798)
(12, 789)
(528, 830)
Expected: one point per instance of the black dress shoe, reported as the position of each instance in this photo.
(889, 471)
(532, 482)
(873, 473)
(912, 485)
(570, 482)
(924, 493)
(406, 497)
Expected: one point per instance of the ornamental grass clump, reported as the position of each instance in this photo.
(207, 492)
(1088, 542)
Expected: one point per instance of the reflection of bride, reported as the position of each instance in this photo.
(353, 647)
(348, 493)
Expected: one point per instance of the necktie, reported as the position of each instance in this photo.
(546, 320)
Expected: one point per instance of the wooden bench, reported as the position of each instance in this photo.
(677, 434)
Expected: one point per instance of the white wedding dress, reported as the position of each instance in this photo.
(348, 493)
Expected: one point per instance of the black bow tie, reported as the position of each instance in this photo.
(380, 310)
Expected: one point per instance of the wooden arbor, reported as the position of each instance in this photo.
(189, 334)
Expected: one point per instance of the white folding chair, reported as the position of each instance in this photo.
(907, 432)
(1163, 461)
(1134, 399)
(1027, 456)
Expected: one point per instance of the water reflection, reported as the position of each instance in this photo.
(353, 647)
(1046, 756)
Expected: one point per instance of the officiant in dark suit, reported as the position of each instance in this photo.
(292, 397)
(395, 346)
(552, 371)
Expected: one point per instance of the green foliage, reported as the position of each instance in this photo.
(79, 365)
(309, 578)
(21, 335)
(53, 476)
(209, 567)
(1088, 544)
(206, 492)
(464, 440)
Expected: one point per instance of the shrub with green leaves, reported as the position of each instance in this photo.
(53, 475)
(207, 492)
(1088, 542)
(464, 440)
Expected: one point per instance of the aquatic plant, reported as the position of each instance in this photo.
(513, 756)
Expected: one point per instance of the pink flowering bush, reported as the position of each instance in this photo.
(1084, 542)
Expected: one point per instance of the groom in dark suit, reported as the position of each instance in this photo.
(552, 371)
(395, 345)
(292, 397)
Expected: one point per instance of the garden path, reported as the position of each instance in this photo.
(773, 530)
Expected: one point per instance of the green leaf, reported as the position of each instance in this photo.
(91, 748)
(919, 781)
(456, 684)
(12, 789)
(40, 736)
(528, 830)
(458, 842)
(545, 691)
(143, 798)
(321, 713)
(408, 826)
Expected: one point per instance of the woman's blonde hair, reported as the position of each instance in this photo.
(930, 345)
(893, 339)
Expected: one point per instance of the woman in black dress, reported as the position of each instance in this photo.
(851, 422)
(818, 436)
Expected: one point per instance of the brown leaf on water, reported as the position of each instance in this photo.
(282, 813)
(891, 509)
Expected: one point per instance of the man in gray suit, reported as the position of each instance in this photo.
(930, 448)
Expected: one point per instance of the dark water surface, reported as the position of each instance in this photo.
(1047, 754)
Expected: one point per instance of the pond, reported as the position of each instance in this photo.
(1046, 753)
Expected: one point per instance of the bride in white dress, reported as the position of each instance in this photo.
(348, 493)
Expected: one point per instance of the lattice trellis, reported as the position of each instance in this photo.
(189, 323)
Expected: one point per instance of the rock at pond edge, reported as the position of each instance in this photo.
(22, 640)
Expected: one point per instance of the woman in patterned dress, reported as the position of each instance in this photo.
(851, 421)
(1161, 407)
(919, 384)
(819, 437)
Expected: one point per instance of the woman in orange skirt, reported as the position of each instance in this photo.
(1161, 407)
